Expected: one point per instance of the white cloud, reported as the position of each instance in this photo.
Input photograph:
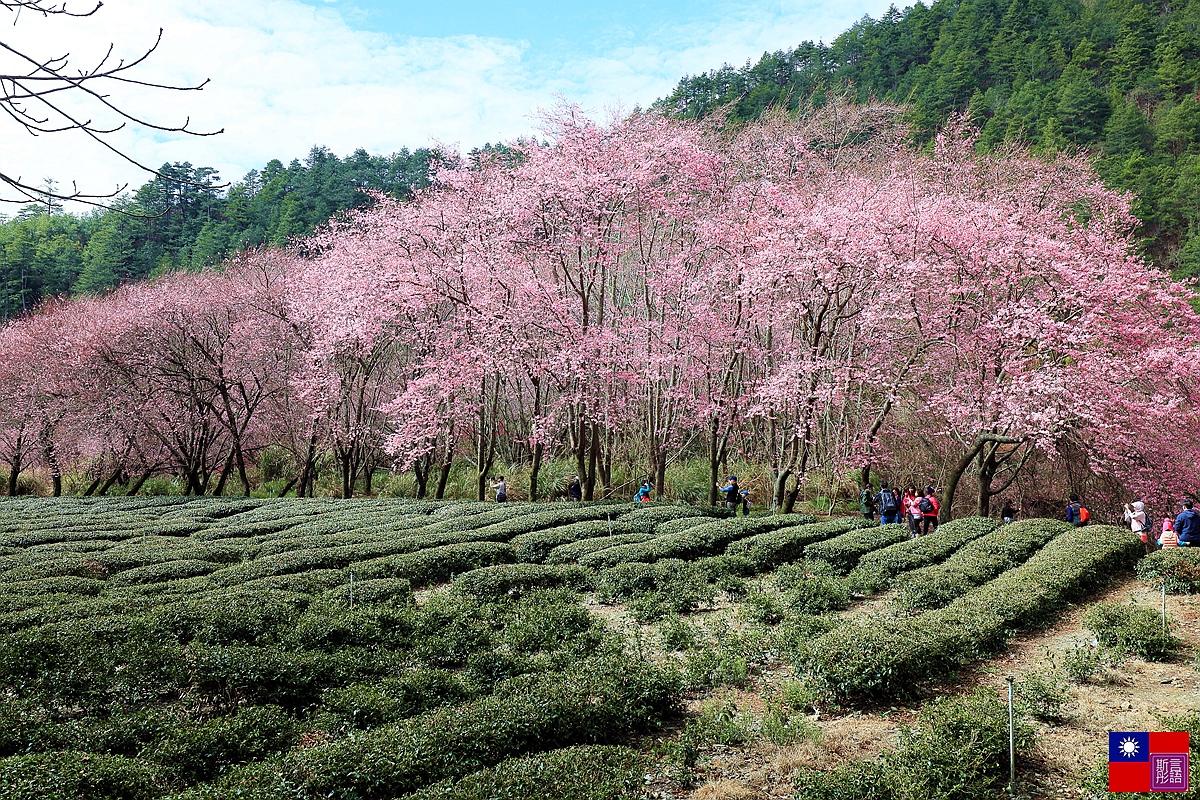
(285, 76)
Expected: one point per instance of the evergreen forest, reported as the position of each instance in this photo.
(1115, 79)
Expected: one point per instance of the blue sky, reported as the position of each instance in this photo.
(289, 74)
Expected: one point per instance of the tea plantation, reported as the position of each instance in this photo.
(371, 649)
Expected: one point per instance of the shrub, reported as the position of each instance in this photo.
(535, 547)
(978, 561)
(229, 617)
(198, 751)
(843, 552)
(1133, 629)
(1177, 567)
(78, 776)
(227, 676)
(391, 591)
(709, 538)
(768, 550)
(506, 578)
(438, 564)
(599, 703)
(369, 705)
(1042, 694)
(878, 655)
(573, 551)
(584, 772)
(876, 569)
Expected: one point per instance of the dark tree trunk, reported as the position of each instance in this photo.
(137, 485)
(108, 483)
(93, 486)
(538, 450)
(421, 469)
(287, 487)
(589, 489)
(225, 472)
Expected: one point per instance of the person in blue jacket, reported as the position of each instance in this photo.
(1187, 526)
(732, 493)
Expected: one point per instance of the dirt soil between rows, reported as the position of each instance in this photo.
(1129, 695)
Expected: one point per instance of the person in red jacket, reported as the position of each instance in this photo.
(912, 510)
(929, 511)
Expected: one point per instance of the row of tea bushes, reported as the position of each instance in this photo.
(843, 552)
(709, 538)
(877, 655)
(602, 701)
(877, 569)
(979, 560)
(1178, 568)
(772, 548)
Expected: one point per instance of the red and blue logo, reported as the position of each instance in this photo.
(1147, 762)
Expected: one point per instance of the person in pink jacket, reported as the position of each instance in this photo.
(1168, 538)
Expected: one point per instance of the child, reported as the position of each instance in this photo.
(745, 503)
(1168, 538)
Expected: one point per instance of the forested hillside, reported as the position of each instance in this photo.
(1114, 77)
(188, 219)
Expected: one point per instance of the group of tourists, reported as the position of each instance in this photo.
(918, 508)
(735, 496)
(1183, 531)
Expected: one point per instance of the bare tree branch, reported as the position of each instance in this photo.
(30, 98)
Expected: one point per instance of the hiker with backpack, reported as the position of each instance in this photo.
(929, 511)
(1139, 523)
(866, 502)
(1077, 515)
(888, 503)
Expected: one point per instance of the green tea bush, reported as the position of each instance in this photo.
(391, 699)
(227, 676)
(876, 655)
(706, 539)
(811, 594)
(232, 617)
(389, 591)
(768, 550)
(535, 547)
(876, 569)
(604, 701)
(1042, 694)
(198, 751)
(438, 564)
(330, 628)
(843, 552)
(572, 552)
(547, 620)
(1132, 629)
(79, 776)
(583, 772)
(1177, 567)
(959, 748)
(165, 571)
(506, 578)
(977, 562)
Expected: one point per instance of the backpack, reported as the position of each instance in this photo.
(1082, 513)
(887, 502)
(925, 505)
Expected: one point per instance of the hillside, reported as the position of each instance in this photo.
(1115, 78)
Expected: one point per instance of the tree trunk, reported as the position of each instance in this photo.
(421, 468)
(306, 473)
(225, 471)
(589, 488)
(108, 483)
(137, 485)
(538, 450)
(51, 455)
(287, 487)
(945, 513)
(93, 486)
(13, 474)
(447, 462)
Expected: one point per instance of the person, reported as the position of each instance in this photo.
(1008, 513)
(746, 503)
(1076, 514)
(732, 493)
(929, 511)
(501, 490)
(866, 502)
(1187, 526)
(643, 494)
(575, 491)
(913, 509)
(1168, 537)
(888, 504)
(1136, 517)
